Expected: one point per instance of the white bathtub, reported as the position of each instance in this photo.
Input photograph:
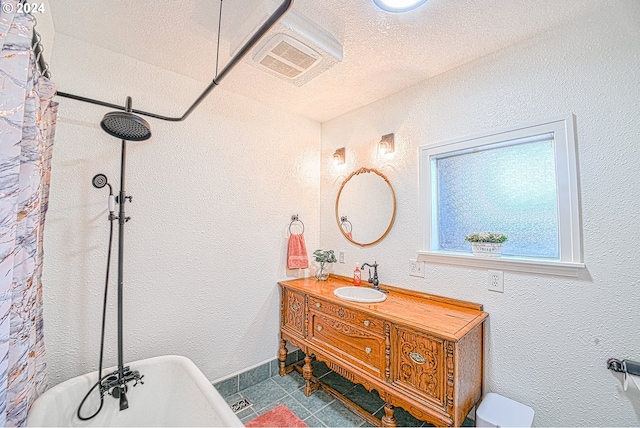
(175, 393)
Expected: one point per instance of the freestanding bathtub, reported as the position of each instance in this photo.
(175, 393)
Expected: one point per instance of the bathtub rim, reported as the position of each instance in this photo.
(37, 411)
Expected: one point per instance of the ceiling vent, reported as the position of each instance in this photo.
(287, 56)
(298, 52)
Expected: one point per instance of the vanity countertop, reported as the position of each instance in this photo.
(444, 317)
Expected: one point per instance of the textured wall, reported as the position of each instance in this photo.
(44, 26)
(548, 338)
(212, 198)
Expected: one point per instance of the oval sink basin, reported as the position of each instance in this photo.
(360, 294)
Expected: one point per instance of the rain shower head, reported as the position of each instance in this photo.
(126, 126)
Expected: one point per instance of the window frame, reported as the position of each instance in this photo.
(570, 259)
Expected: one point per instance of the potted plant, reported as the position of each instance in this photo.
(487, 244)
(323, 257)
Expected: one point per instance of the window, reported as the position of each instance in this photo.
(521, 181)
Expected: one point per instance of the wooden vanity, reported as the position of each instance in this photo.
(420, 352)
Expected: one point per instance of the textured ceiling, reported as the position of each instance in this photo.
(383, 52)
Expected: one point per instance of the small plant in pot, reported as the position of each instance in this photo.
(486, 244)
(323, 257)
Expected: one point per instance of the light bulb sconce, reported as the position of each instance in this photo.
(386, 146)
(339, 156)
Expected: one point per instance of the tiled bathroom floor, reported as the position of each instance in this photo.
(320, 409)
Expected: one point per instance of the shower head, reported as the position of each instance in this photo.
(126, 126)
(99, 181)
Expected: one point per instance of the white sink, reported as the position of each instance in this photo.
(360, 294)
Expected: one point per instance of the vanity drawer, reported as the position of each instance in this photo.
(355, 318)
(358, 346)
(292, 311)
(419, 364)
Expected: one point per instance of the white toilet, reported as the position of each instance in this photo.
(498, 411)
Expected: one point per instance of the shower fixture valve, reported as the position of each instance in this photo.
(116, 384)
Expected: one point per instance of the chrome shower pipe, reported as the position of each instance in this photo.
(251, 43)
(124, 374)
(122, 219)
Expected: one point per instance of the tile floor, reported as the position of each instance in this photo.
(320, 409)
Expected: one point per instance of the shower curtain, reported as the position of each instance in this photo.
(27, 124)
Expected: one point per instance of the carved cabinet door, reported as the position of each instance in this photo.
(419, 365)
(293, 311)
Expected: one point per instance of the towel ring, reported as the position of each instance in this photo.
(294, 219)
(344, 221)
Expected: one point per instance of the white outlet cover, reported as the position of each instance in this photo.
(416, 268)
(496, 281)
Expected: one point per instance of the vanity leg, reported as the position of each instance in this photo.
(388, 420)
(307, 373)
(282, 356)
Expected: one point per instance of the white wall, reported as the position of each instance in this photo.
(548, 338)
(44, 26)
(212, 198)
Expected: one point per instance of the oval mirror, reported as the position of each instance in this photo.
(365, 207)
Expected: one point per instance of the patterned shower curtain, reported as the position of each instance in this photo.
(27, 124)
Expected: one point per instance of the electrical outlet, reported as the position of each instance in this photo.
(341, 257)
(416, 268)
(496, 281)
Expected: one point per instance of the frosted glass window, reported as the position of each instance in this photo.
(521, 181)
(509, 189)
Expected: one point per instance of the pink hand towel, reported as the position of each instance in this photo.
(297, 256)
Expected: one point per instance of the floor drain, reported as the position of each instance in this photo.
(240, 405)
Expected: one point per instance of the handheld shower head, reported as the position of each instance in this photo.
(99, 181)
(126, 126)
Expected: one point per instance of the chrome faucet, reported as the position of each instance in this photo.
(116, 384)
(374, 280)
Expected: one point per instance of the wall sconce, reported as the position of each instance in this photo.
(386, 146)
(339, 156)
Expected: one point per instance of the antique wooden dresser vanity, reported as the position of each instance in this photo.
(420, 352)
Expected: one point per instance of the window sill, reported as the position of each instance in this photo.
(515, 264)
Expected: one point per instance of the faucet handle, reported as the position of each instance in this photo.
(138, 380)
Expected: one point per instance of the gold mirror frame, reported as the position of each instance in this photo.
(393, 197)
